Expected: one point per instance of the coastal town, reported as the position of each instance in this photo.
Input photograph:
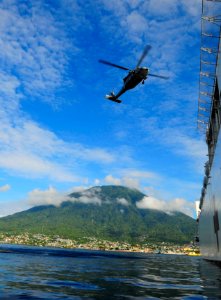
(92, 243)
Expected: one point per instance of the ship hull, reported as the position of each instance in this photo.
(209, 219)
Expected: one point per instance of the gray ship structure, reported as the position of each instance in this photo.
(209, 121)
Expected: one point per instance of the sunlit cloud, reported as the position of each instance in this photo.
(177, 204)
(162, 9)
(124, 181)
(109, 179)
(123, 201)
(34, 48)
(52, 196)
(46, 197)
(12, 207)
(178, 140)
(5, 188)
(43, 154)
(89, 196)
(139, 174)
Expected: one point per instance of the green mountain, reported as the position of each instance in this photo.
(106, 212)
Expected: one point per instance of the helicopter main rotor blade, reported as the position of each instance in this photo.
(145, 51)
(112, 65)
(159, 76)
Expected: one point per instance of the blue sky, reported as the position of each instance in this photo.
(58, 133)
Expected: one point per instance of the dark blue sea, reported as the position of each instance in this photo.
(48, 273)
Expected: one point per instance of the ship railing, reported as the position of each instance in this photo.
(210, 36)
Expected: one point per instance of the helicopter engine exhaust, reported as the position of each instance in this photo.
(112, 97)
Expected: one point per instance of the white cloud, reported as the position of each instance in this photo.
(134, 4)
(135, 22)
(177, 204)
(162, 8)
(28, 150)
(96, 181)
(151, 202)
(33, 48)
(122, 201)
(51, 196)
(31, 151)
(11, 207)
(46, 197)
(132, 178)
(117, 7)
(178, 140)
(124, 181)
(189, 146)
(109, 179)
(5, 188)
(96, 154)
(33, 52)
(130, 182)
(32, 166)
(193, 8)
(90, 196)
(138, 174)
(77, 189)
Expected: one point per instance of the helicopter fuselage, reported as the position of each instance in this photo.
(134, 78)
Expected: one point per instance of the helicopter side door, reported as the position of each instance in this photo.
(131, 80)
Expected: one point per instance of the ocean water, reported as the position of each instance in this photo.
(47, 273)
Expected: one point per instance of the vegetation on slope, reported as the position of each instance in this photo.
(112, 218)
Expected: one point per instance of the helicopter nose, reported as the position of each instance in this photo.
(145, 71)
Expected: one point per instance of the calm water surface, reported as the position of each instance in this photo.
(44, 273)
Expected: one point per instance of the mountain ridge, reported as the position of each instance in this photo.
(104, 212)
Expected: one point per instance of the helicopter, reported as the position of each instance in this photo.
(133, 78)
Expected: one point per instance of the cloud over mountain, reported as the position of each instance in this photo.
(106, 212)
(177, 204)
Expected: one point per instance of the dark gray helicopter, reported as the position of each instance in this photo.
(134, 77)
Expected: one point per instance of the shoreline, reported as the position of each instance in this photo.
(140, 251)
(91, 243)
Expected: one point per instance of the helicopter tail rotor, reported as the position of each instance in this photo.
(112, 97)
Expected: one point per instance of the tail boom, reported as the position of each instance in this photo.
(112, 97)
